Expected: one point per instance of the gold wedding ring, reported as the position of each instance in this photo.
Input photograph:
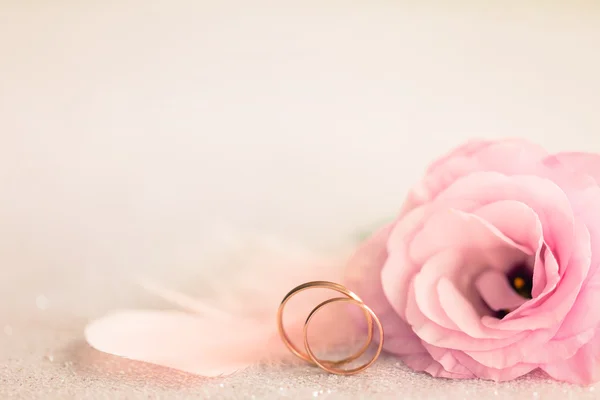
(308, 355)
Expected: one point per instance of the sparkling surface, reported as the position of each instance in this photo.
(43, 355)
(48, 359)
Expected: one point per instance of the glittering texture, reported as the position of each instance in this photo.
(45, 357)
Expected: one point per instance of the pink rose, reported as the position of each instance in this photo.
(491, 268)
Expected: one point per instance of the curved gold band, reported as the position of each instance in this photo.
(330, 368)
(309, 356)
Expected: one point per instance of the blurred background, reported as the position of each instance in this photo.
(130, 131)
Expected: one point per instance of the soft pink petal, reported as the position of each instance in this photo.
(585, 204)
(447, 360)
(513, 354)
(585, 198)
(399, 269)
(425, 283)
(552, 311)
(508, 156)
(537, 348)
(452, 228)
(516, 220)
(583, 368)
(497, 197)
(363, 276)
(549, 202)
(436, 335)
(449, 309)
(545, 279)
(578, 174)
(585, 313)
(459, 361)
(466, 150)
(543, 207)
(468, 246)
(445, 170)
(495, 374)
(582, 163)
(463, 313)
(545, 270)
(455, 227)
(500, 354)
(424, 362)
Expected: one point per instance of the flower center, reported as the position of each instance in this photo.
(521, 280)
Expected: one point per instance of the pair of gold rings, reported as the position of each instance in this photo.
(309, 356)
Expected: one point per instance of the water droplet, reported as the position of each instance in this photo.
(50, 357)
(495, 393)
(535, 394)
(281, 389)
(221, 385)
(42, 302)
(315, 394)
(592, 389)
(8, 330)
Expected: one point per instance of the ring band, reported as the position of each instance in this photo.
(322, 285)
(329, 365)
(324, 364)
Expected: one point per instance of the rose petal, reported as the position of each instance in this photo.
(460, 311)
(495, 374)
(436, 335)
(582, 368)
(536, 348)
(447, 360)
(363, 277)
(527, 233)
(551, 311)
(425, 282)
(543, 196)
(508, 156)
(452, 228)
(481, 246)
(424, 362)
(585, 313)
(479, 210)
(459, 361)
(399, 268)
(585, 197)
(582, 163)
